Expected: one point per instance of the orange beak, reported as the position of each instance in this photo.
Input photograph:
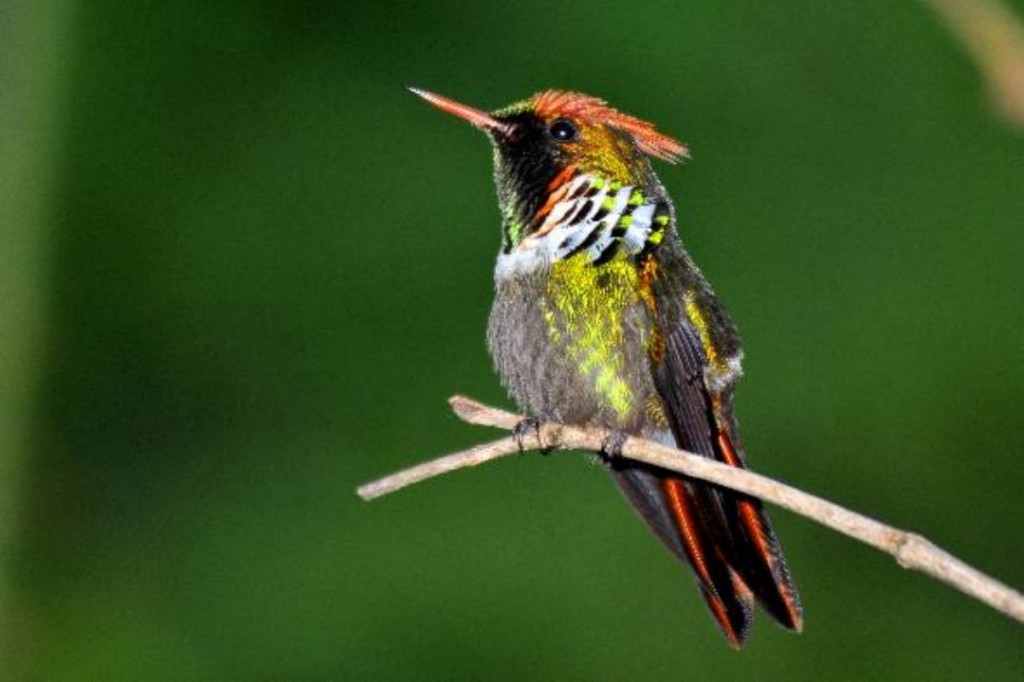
(481, 119)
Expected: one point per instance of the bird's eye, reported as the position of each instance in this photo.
(563, 130)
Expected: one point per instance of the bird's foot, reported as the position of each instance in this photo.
(523, 428)
(611, 448)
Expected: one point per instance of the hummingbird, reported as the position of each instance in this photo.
(601, 317)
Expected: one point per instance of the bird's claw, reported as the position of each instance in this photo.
(523, 428)
(611, 448)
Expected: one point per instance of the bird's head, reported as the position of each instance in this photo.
(542, 143)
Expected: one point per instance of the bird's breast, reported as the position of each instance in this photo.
(573, 341)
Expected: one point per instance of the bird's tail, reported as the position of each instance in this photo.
(724, 536)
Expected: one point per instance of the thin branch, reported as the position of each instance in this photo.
(909, 549)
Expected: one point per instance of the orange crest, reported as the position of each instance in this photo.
(592, 110)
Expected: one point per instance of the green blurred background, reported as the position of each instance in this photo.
(243, 268)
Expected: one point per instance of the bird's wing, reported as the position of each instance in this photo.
(725, 536)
